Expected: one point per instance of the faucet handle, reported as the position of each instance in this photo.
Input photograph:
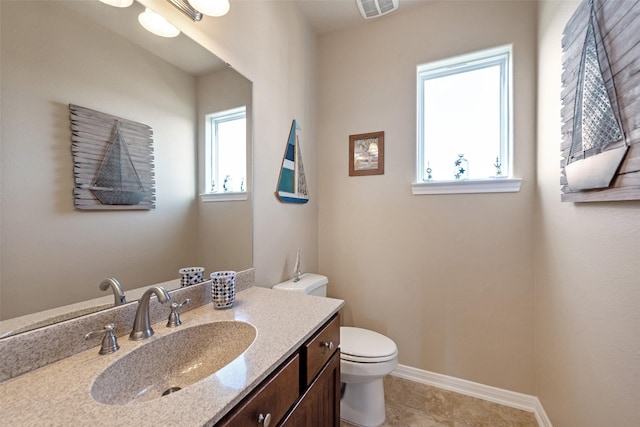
(109, 340)
(174, 316)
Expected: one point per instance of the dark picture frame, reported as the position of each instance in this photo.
(366, 154)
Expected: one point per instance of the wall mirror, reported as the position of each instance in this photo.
(56, 53)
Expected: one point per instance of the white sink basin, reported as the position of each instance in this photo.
(167, 364)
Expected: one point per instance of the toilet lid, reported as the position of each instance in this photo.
(364, 345)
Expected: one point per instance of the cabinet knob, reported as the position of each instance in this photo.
(264, 420)
(328, 344)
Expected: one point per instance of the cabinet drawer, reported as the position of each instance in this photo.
(275, 397)
(321, 347)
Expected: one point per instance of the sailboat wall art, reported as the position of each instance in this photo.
(600, 108)
(113, 162)
(292, 184)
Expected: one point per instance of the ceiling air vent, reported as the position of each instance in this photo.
(375, 8)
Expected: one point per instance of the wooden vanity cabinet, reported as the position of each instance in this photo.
(303, 392)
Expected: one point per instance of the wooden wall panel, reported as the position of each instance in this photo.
(91, 132)
(619, 22)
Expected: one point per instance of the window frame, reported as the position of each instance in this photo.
(501, 56)
(211, 123)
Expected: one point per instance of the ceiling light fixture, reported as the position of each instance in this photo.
(374, 8)
(118, 3)
(156, 24)
(194, 9)
(184, 7)
(211, 7)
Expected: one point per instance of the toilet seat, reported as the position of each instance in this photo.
(356, 359)
(365, 346)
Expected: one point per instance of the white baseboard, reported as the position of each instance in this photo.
(492, 394)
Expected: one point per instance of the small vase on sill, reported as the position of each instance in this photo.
(461, 168)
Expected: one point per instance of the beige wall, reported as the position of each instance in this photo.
(224, 228)
(272, 45)
(51, 254)
(449, 278)
(587, 275)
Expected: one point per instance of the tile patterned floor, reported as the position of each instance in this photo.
(411, 404)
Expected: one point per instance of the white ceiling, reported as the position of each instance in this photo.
(331, 15)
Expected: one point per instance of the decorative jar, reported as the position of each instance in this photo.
(461, 168)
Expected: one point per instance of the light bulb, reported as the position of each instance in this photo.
(211, 7)
(156, 24)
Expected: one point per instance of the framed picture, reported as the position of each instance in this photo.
(366, 154)
(600, 156)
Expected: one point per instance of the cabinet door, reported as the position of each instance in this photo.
(320, 405)
(274, 397)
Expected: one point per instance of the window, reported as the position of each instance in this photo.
(225, 153)
(464, 134)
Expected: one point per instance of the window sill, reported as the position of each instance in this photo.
(223, 197)
(497, 185)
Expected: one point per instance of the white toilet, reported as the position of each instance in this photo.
(365, 358)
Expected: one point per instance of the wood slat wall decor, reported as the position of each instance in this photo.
(619, 22)
(91, 134)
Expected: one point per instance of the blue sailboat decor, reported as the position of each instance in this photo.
(292, 185)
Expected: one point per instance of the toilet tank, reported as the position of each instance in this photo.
(309, 283)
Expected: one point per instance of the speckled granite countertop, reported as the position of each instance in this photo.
(59, 394)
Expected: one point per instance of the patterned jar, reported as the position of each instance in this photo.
(190, 275)
(223, 289)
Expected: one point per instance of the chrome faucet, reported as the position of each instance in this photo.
(141, 325)
(118, 293)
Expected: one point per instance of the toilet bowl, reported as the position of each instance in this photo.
(365, 358)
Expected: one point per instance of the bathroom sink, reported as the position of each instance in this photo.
(167, 364)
